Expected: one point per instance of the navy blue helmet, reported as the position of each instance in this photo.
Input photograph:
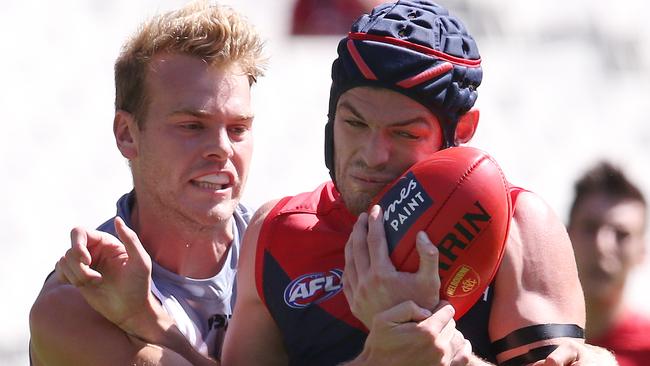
(414, 47)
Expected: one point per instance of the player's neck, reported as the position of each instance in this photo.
(180, 246)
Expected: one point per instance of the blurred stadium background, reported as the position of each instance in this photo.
(565, 84)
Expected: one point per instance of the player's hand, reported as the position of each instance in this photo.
(409, 335)
(370, 281)
(114, 277)
(576, 353)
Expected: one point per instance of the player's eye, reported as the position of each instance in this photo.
(407, 135)
(355, 123)
(238, 130)
(192, 126)
(622, 235)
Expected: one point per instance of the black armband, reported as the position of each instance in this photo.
(535, 333)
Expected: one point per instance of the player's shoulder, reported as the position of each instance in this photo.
(55, 302)
(317, 201)
(256, 222)
(304, 202)
(263, 211)
(535, 227)
(532, 210)
(54, 290)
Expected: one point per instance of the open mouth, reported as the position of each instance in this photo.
(214, 182)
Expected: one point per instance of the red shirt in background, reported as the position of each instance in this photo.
(325, 17)
(629, 339)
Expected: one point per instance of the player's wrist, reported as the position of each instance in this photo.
(150, 323)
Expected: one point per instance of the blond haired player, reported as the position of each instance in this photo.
(183, 119)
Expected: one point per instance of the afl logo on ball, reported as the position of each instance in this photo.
(313, 288)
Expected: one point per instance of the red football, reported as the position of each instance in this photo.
(460, 198)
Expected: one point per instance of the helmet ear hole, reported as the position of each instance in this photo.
(466, 126)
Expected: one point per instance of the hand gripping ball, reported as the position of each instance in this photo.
(460, 198)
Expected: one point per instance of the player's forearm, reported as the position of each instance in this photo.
(153, 325)
(180, 355)
(154, 355)
(363, 360)
(130, 351)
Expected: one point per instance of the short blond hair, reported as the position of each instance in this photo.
(214, 33)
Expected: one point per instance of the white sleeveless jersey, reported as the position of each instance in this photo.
(200, 307)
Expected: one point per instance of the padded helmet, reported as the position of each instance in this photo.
(414, 47)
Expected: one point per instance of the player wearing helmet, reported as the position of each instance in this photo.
(403, 87)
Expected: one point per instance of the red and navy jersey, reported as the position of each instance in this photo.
(299, 263)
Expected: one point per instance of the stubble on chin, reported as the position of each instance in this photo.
(356, 201)
(224, 211)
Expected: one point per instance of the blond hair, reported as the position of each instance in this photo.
(214, 33)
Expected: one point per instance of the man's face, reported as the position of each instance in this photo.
(608, 239)
(378, 135)
(195, 148)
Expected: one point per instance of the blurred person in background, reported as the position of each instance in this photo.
(327, 17)
(183, 119)
(607, 226)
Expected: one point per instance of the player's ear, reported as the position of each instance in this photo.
(466, 126)
(126, 131)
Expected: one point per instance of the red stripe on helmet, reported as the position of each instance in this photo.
(361, 64)
(416, 47)
(425, 75)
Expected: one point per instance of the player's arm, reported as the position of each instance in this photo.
(99, 301)
(407, 324)
(407, 334)
(577, 353)
(65, 330)
(538, 302)
(371, 282)
(253, 337)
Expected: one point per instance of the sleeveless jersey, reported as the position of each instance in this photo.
(299, 263)
(200, 307)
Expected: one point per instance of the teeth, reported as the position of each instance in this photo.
(209, 185)
(214, 179)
